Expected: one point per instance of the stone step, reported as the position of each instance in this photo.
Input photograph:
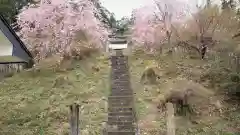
(118, 98)
(119, 62)
(113, 76)
(121, 133)
(122, 128)
(116, 85)
(119, 113)
(121, 83)
(117, 58)
(121, 94)
(122, 75)
(122, 70)
(115, 64)
(120, 56)
(120, 104)
(121, 119)
(117, 69)
(121, 87)
(120, 78)
(119, 72)
(120, 123)
(120, 65)
(120, 101)
(111, 98)
(120, 109)
(121, 97)
(123, 90)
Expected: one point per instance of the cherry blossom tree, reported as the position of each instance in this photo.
(154, 24)
(57, 26)
(167, 13)
(146, 29)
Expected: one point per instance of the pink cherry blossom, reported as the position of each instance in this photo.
(151, 22)
(55, 26)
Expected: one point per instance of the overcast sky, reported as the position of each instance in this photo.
(123, 8)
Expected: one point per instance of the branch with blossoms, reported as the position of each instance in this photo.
(154, 24)
(57, 26)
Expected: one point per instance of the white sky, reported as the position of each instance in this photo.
(123, 8)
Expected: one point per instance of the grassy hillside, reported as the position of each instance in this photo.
(36, 102)
(177, 74)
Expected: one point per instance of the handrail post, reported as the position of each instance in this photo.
(170, 119)
(74, 118)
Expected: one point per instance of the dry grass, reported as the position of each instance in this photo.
(35, 102)
(178, 73)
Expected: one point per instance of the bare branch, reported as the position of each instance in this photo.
(159, 7)
(157, 17)
(175, 31)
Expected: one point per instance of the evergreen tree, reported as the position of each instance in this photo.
(113, 21)
(228, 4)
(10, 8)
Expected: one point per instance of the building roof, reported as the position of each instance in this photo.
(12, 36)
(10, 60)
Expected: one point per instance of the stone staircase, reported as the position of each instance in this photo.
(121, 118)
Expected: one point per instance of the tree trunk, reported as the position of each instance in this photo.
(168, 37)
